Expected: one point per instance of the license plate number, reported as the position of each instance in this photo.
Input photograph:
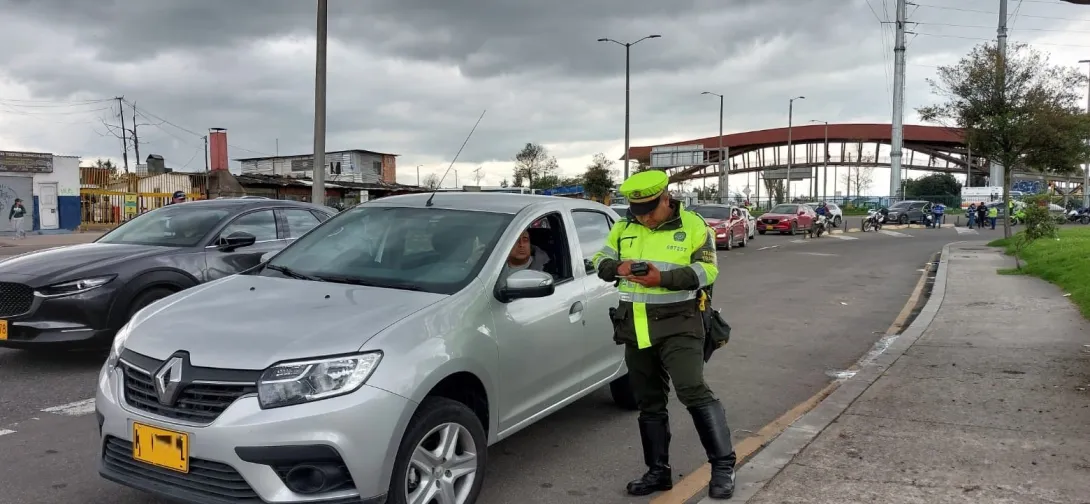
(160, 447)
(3, 330)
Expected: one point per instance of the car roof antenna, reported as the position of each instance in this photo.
(428, 203)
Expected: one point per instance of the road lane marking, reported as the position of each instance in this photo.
(817, 254)
(78, 408)
(5, 432)
(894, 233)
(689, 486)
(965, 231)
(843, 237)
(799, 241)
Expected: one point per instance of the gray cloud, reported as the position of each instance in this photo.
(411, 76)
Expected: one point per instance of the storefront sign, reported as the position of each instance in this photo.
(26, 162)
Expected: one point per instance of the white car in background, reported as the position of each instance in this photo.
(751, 222)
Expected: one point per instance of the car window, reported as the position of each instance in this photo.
(299, 221)
(261, 224)
(178, 225)
(592, 229)
(899, 205)
(712, 212)
(784, 209)
(428, 249)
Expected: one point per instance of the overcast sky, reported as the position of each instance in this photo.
(411, 76)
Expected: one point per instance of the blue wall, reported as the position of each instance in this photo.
(68, 208)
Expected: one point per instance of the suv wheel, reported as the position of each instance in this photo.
(442, 456)
(623, 395)
(836, 221)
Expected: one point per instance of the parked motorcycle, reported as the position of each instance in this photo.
(873, 221)
(1081, 215)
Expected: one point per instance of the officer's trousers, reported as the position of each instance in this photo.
(679, 358)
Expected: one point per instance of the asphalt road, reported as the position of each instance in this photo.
(801, 310)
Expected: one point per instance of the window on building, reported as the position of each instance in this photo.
(377, 166)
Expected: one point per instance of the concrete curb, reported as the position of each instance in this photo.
(762, 468)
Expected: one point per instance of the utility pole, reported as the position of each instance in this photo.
(124, 132)
(318, 165)
(898, 136)
(969, 165)
(1086, 166)
(418, 175)
(724, 170)
(206, 154)
(997, 172)
(135, 137)
(825, 165)
(790, 150)
(477, 177)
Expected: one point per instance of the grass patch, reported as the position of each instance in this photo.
(1064, 261)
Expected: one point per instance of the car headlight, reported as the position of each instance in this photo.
(118, 345)
(75, 287)
(300, 382)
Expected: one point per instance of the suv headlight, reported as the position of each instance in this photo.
(75, 287)
(300, 382)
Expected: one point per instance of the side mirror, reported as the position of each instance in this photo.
(802, 212)
(525, 284)
(236, 240)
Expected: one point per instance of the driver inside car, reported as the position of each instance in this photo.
(524, 255)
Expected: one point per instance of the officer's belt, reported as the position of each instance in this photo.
(657, 297)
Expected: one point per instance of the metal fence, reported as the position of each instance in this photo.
(861, 204)
(108, 198)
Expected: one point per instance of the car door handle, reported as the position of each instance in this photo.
(576, 308)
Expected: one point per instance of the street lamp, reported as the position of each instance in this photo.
(790, 113)
(724, 169)
(1086, 167)
(627, 60)
(825, 166)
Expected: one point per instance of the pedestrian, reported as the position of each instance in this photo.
(15, 216)
(981, 214)
(993, 214)
(177, 197)
(937, 210)
(970, 213)
(665, 259)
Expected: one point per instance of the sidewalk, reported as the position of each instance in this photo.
(10, 246)
(985, 398)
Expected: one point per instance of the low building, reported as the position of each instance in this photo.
(47, 184)
(356, 165)
(339, 194)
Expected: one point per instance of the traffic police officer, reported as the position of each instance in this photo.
(659, 321)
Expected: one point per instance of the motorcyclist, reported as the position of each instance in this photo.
(823, 210)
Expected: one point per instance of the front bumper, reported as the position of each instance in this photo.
(80, 320)
(780, 226)
(243, 455)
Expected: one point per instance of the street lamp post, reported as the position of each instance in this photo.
(790, 114)
(627, 73)
(825, 165)
(724, 170)
(317, 194)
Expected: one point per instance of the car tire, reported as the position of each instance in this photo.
(730, 240)
(837, 221)
(147, 297)
(903, 220)
(745, 240)
(624, 396)
(794, 229)
(428, 423)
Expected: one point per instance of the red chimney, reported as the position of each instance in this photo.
(217, 149)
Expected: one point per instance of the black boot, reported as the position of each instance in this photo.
(711, 425)
(655, 436)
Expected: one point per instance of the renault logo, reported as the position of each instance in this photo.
(168, 381)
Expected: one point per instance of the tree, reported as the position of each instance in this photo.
(775, 188)
(938, 185)
(1021, 113)
(504, 184)
(598, 179)
(431, 181)
(708, 193)
(858, 179)
(534, 166)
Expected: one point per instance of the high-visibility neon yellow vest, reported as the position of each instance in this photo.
(993, 212)
(668, 249)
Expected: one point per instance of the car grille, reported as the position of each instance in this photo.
(15, 299)
(212, 480)
(770, 221)
(198, 402)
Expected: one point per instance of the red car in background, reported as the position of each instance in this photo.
(787, 218)
(728, 222)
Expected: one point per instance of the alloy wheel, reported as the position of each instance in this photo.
(443, 467)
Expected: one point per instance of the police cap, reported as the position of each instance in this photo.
(644, 189)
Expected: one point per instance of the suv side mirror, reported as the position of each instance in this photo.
(802, 212)
(235, 240)
(525, 284)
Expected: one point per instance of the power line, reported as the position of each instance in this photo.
(992, 39)
(926, 23)
(979, 11)
(144, 112)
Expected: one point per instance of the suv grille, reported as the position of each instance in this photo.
(15, 299)
(198, 402)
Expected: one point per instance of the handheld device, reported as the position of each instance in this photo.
(639, 269)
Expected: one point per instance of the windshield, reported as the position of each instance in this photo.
(427, 249)
(900, 204)
(784, 209)
(170, 226)
(712, 212)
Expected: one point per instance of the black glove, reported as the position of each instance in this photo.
(607, 270)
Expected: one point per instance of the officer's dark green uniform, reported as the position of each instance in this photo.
(662, 328)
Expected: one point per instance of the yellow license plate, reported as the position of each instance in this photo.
(160, 447)
(3, 330)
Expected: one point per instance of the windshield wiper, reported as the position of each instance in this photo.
(292, 273)
(368, 283)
